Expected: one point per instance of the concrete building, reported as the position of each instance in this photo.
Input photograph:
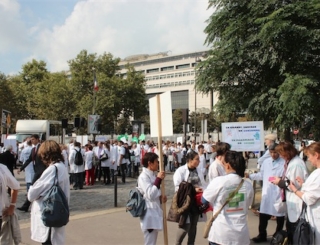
(175, 73)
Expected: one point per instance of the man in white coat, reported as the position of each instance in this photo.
(272, 166)
(78, 170)
(29, 171)
(269, 139)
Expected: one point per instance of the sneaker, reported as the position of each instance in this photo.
(259, 239)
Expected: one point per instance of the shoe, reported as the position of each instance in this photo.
(23, 209)
(259, 239)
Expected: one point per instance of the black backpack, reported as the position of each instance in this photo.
(78, 160)
(55, 211)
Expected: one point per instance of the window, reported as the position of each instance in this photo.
(178, 74)
(153, 70)
(182, 66)
(168, 68)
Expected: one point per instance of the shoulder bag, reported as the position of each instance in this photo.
(210, 221)
(304, 233)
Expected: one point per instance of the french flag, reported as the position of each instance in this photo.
(95, 84)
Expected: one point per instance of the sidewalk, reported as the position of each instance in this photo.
(115, 226)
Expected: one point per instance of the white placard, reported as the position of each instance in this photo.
(101, 138)
(83, 139)
(11, 142)
(166, 115)
(180, 139)
(244, 136)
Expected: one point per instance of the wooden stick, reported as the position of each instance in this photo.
(161, 166)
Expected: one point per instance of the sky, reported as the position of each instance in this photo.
(57, 30)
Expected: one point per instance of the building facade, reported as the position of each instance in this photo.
(175, 73)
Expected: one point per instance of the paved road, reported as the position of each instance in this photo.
(95, 220)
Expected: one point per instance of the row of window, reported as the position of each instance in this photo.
(172, 75)
(169, 68)
(171, 84)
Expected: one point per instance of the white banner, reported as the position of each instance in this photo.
(244, 136)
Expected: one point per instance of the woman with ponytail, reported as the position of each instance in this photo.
(230, 226)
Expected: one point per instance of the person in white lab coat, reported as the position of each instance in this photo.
(50, 154)
(77, 169)
(230, 227)
(149, 187)
(309, 190)
(269, 139)
(190, 174)
(273, 166)
(24, 156)
(294, 167)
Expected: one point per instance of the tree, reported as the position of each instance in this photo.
(117, 95)
(177, 121)
(260, 52)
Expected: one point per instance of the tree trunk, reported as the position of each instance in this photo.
(287, 134)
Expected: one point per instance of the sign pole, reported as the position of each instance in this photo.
(161, 166)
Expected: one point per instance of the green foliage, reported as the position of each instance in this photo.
(38, 94)
(264, 60)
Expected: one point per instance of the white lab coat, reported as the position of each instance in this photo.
(215, 169)
(311, 197)
(296, 167)
(265, 156)
(65, 158)
(114, 157)
(37, 191)
(182, 174)
(202, 165)
(106, 163)
(270, 192)
(230, 227)
(153, 219)
(29, 170)
(88, 160)
(73, 167)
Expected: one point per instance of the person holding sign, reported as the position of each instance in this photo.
(149, 187)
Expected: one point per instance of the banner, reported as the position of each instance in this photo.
(244, 136)
(5, 119)
(93, 122)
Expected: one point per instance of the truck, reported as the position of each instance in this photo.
(46, 129)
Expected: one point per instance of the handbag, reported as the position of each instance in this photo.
(104, 156)
(210, 221)
(304, 233)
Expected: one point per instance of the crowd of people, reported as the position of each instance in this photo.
(208, 172)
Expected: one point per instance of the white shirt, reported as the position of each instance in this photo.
(296, 167)
(216, 169)
(230, 227)
(311, 197)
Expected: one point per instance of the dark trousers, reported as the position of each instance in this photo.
(48, 242)
(78, 180)
(263, 223)
(123, 167)
(106, 175)
(291, 228)
(98, 171)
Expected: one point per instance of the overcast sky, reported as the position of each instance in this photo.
(57, 30)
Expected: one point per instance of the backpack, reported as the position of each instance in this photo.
(127, 153)
(136, 204)
(55, 211)
(303, 233)
(78, 160)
